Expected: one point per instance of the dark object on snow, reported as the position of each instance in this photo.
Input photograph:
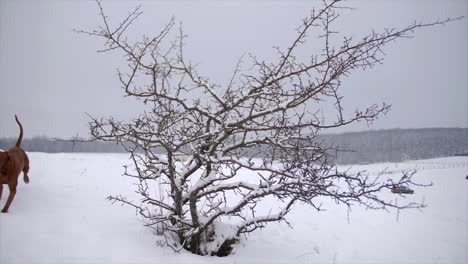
(226, 248)
(401, 189)
(466, 177)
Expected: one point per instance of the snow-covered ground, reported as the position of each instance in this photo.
(63, 216)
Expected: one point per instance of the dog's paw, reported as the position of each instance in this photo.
(4, 211)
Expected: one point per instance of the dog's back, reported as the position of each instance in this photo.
(12, 163)
(18, 162)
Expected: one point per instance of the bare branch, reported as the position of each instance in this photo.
(203, 152)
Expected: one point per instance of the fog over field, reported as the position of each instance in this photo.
(356, 147)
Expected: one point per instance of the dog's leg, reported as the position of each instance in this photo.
(26, 178)
(3, 179)
(12, 194)
(25, 172)
(25, 167)
(1, 190)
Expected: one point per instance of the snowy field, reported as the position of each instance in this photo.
(63, 216)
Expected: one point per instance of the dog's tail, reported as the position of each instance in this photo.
(20, 138)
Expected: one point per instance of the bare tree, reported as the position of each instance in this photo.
(217, 152)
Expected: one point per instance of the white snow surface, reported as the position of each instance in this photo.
(63, 216)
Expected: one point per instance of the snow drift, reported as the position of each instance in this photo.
(63, 217)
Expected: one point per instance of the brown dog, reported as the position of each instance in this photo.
(12, 162)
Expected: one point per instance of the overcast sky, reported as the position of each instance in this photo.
(51, 77)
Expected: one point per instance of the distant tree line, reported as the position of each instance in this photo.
(357, 147)
(48, 145)
(398, 144)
